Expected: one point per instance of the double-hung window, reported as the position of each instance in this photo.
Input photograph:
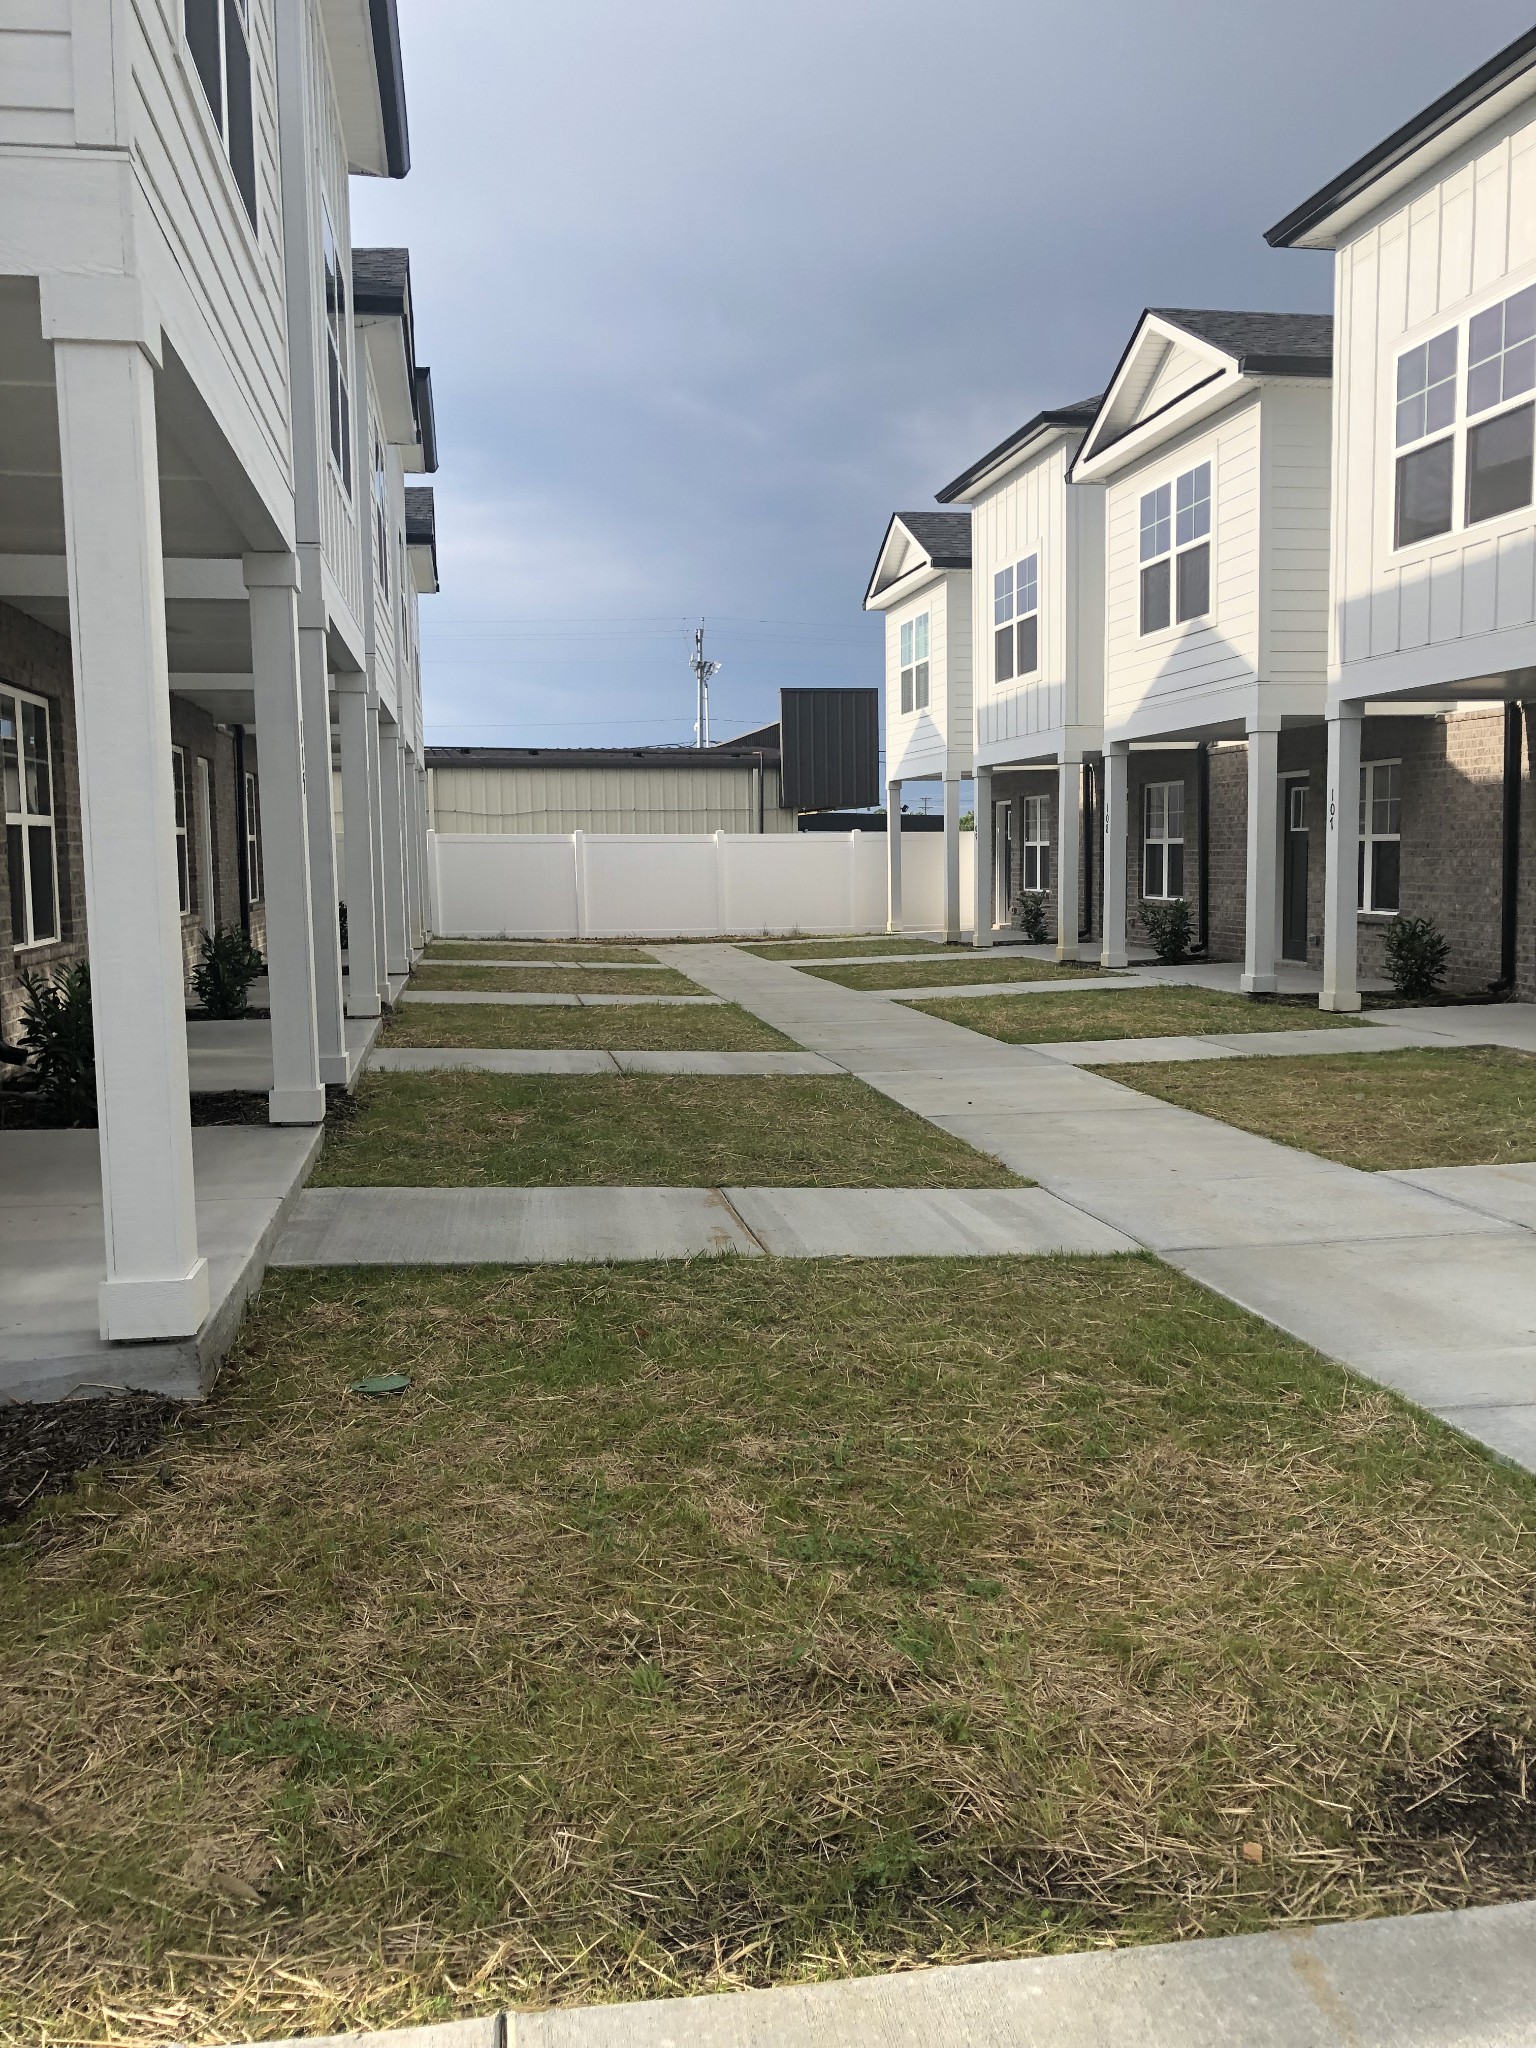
(338, 391)
(1016, 620)
(183, 862)
(218, 36)
(1162, 866)
(1036, 867)
(26, 780)
(1426, 407)
(1381, 835)
(381, 514)
(1501, 366)
(914, 663)
(1176, 550)
(252, 825)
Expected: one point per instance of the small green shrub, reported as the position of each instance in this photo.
(223, 975)
(1032, 916)
(1416, 953)
(341, 921)
(1170, 930)
(57, 1035)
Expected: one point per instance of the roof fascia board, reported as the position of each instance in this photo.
(363, 40)
(393, 377)
(1190, 409)
(1091, 457)
(994, 469)
(1418, 147)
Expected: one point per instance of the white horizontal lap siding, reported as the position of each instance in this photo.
(1177, 667)
(916, 741)
(1297, 426)
(1460, 240)
(230, 278)
(340, 540)
(1025, 515)
(37, 85)
(640, 799)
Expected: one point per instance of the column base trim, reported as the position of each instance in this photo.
(1259, 984)
(335, 1069)
(368, 1007)
(296, 1106)
(1341, 1002)
(145, 1311)
(1113, 960)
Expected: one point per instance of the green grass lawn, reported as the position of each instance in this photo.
(1381, 1111)
(723, 1027)
(554, 1130)
(953, 967)
(530, 949)
(1127, 1013)
(837, 949)
(556, 981)
(688, 1627)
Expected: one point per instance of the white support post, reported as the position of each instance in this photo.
(156, 1283)
(579, 864)
(721, 926)
(397, 955)
(414, 925)
(376, 833)
(1341, 898)
(893, 855)
(298, 1091)
(324, 895)
(1259, 976)
(951, 860)
(1069, 842)
(1117, 778)
(357, 808)
(986, 861)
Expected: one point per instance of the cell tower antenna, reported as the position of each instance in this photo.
(703, 670)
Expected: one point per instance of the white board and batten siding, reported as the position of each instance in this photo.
(1034, 511)
(935, 741)
(1463, 605)
(37, 73)
(1262, 648)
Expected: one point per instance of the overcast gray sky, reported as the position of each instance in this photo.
(709, 290)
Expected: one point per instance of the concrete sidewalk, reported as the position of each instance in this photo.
(1444, 1980)
(1419, 1291)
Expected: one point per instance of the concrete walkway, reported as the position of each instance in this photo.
(234, 1056)
(561, 1226)
(558, 1060)
(1444, 1980)
(550, 1002)
(518, 964)
(1421, 1292)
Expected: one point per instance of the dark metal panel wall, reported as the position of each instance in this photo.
(831, 746)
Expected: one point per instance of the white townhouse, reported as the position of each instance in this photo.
(1212, 444)
(186, 544)
(1037, 582)
(1432, 615)
(922, 584)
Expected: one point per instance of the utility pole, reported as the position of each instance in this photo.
(702, 670)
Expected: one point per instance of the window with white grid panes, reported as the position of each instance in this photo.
(1035, 846)
(1016, 620)
(1162, 866)
(252, 825)
(218, 42)
(26, 779)
(1381, 836)
(1176, 550)
(183, 862)
(914, 663)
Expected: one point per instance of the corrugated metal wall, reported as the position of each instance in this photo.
(648, 799)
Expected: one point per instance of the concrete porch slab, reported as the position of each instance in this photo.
(234, 1056)
(507, 1226)
(935, 1223)
(52, 1258)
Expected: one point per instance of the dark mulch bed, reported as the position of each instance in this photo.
(43, 1444)
(23, 1109)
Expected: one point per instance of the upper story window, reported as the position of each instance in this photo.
(914, 663)
(26, 788)
(1426, 406)
(1176, 550)
(1016, 620)
(1499, 439)
(381, 514)
(339, 394)
(218, 38)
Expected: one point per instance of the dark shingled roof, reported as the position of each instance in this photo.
(1277, 344)
(1443, 113)
(945, 537)
(420, 516)
(381, 282)
(1080, 413)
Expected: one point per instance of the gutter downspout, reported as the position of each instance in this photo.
(1509, 895)
(242, 833)
(1203, 806)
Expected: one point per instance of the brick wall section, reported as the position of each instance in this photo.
(35, 659)
(1012, 785)
(1228, 833)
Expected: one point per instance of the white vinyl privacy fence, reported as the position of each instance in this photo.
(665, 885)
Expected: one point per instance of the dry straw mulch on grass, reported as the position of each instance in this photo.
(626, 1027)
(513, 950)
(688, 1627)
(952, 970)
(1068, 1015)
(554, 981)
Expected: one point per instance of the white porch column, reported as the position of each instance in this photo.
(414, 853)
(1341, 886)
(1069, 851)
(156, 1284)
(1259, 977)
(951, 859)
(376, 833)
(893, 854)
(986, 861)
(1117, 780)
(362, 883)
(423, 827)
(324, 895)
(397, 952)
(298, 1092)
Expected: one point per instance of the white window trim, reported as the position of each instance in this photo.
(1027, 676)
(217, 141)
(27, 820)
(1175, 624)
(915, 667)
(1035, 838)
(206, 886)
(250, 824)
(342, 336)
(1456, 432)
(1165, 839)
(382, 521)
(1370, 838)
(183, 836)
